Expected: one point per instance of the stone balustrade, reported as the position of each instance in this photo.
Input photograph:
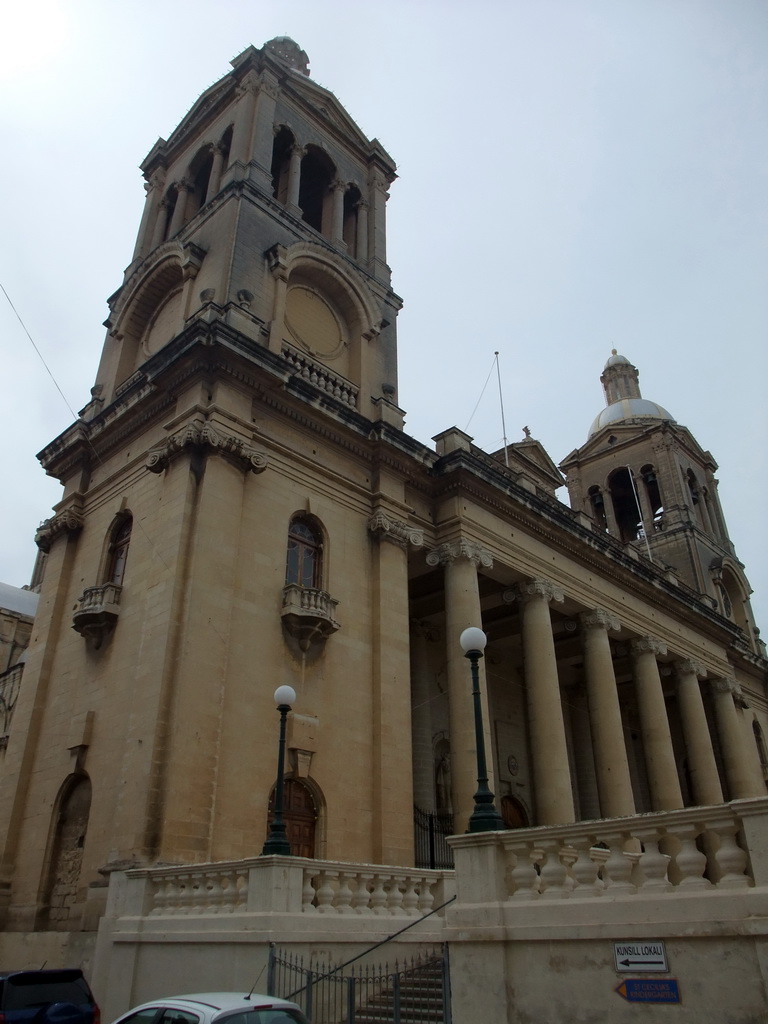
(697, 849)
(332, 383)
(289, 885)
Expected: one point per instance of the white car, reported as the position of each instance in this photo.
(215, 1008)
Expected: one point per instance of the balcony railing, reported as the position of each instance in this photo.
(321, 377)
(308, 614)
(96, 612)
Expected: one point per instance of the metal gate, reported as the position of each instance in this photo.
(416, 990)
(430, 830)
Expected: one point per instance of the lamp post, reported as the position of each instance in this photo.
(485, 817)
(277, 840)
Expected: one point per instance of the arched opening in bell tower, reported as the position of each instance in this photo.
(281, 159)
(626, 509)
(317, 173)
(652, 493)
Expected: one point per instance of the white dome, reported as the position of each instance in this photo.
(615, 358)
(629, 409)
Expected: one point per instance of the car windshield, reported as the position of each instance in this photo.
(26, 990)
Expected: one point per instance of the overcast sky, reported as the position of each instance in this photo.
(575, 176)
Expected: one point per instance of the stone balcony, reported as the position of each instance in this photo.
(308, 615)
(96, 612)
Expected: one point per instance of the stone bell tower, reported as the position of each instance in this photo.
(265, 214)
(645, 480)
(219, 491)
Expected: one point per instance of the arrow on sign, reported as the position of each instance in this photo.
(626, 963)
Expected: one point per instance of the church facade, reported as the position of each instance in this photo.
(242, 509)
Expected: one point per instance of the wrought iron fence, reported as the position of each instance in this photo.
(430, 831)
(415, 990)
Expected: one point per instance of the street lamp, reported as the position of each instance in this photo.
(277, 840)
(485, 817)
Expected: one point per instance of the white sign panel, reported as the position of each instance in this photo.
(640, 957)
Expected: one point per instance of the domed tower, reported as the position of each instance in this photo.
(644, 479)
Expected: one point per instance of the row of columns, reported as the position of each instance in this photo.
(549, 753)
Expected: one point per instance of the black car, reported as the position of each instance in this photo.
(47, 997)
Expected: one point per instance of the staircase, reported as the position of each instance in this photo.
(414, 997)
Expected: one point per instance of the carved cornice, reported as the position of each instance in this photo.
(396, 531)
(445, 554)
(536, 587)
(647, 645)
(69, 520)
(598, 618)
(205, 437)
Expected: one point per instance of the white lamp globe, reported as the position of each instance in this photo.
(473, 639)
(285, 695)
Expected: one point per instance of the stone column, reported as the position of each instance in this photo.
(613, 781)
(161, 221)
(663, 780)
(742, 764)
(549, 752)
(180, 209)
(705, 778)
(294, 178)
(361, 241)
(214, 182)
(461, 559)
(337, 212)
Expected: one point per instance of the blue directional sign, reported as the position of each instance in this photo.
(646, 990)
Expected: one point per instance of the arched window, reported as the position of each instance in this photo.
(761, 748)
(118, 551)
(305, 550)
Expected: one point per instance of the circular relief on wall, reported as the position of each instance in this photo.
(313, 323)
(513, 767)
